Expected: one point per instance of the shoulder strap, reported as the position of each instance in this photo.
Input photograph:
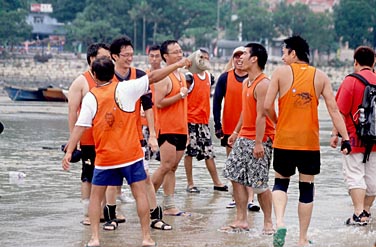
(360, 78)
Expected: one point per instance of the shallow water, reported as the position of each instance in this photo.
(44, 209)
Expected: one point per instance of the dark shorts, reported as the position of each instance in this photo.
(224, 141)
(114, 177)
(178, 140)
(285, 162)
(88, 159)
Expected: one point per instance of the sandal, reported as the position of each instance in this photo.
(193, 189)
(110, 225)
(160, 225)
(356, 220)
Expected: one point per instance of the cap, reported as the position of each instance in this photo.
(199, 64)
(239, 49)
(76, 155)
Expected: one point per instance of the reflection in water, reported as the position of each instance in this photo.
(44, 209)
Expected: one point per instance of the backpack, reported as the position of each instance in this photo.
(366, 117)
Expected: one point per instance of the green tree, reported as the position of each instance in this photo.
(355, 22)
(14, 28)
(65, 11)
(256, 20)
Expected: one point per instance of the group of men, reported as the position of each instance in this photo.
(177, 110)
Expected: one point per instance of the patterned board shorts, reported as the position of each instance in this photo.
(149, 154)
(243, 168)
(200, 142)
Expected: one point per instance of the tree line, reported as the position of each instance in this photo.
(153, 21)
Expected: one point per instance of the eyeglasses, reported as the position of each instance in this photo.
(126, 55)
(176, 52)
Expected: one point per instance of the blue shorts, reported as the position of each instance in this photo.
(114, 177)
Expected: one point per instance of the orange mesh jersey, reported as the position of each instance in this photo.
(199, 100)
(116, 138)
(249, 113)
(173, 118)
(233, 103)
(298, 125)
(87, 137)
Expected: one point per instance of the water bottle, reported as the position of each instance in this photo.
(362, 117)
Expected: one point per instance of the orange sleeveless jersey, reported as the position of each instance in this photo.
(233, 103)
(249, 113)
(199, 100)
(87, 137)
(173, 119)
(132, 76)
(116, 141)
(298, 125)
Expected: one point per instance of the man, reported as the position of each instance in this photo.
(155, 59)
(229, 88)
(171, 102)
(110, 109)
(249, 160)
(360, 177)
(122, 53)
(200, 142)
(77, 90)
(296, 143)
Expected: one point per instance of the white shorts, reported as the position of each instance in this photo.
(359, 175)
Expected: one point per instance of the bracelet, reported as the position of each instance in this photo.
(182, 95)
(235, 132)
(333, 135)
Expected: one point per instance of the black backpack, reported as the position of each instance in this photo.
(366, 117)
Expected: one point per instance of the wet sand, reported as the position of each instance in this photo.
(44, 208)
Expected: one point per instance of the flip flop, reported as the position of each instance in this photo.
(87, 245)
(279, 237)
(181, 213)
(233, 229)
(148, 245)
(268, 232)
(85, 222)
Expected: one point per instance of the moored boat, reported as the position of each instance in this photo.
(54, 94)
(24, 94)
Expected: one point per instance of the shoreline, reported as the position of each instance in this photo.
(61, 70)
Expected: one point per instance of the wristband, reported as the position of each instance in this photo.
(332, 135)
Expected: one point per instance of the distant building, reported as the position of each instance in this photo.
(317, 6)
(43, 25)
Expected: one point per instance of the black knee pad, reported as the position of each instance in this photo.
(156, 213)
(281, 184)
(306, 192)
(109, 212)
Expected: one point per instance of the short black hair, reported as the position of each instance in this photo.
(299, 45)
(103, 68)
(118, 43)
(259, 51)
(92, 50)
(164, 47)
(154, 48)
(365, 56)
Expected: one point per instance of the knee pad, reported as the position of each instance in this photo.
(109, 212)
(156, 213)
(281, 184)
(306, 192)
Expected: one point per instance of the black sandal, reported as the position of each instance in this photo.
(110, 225)
(156, 224)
